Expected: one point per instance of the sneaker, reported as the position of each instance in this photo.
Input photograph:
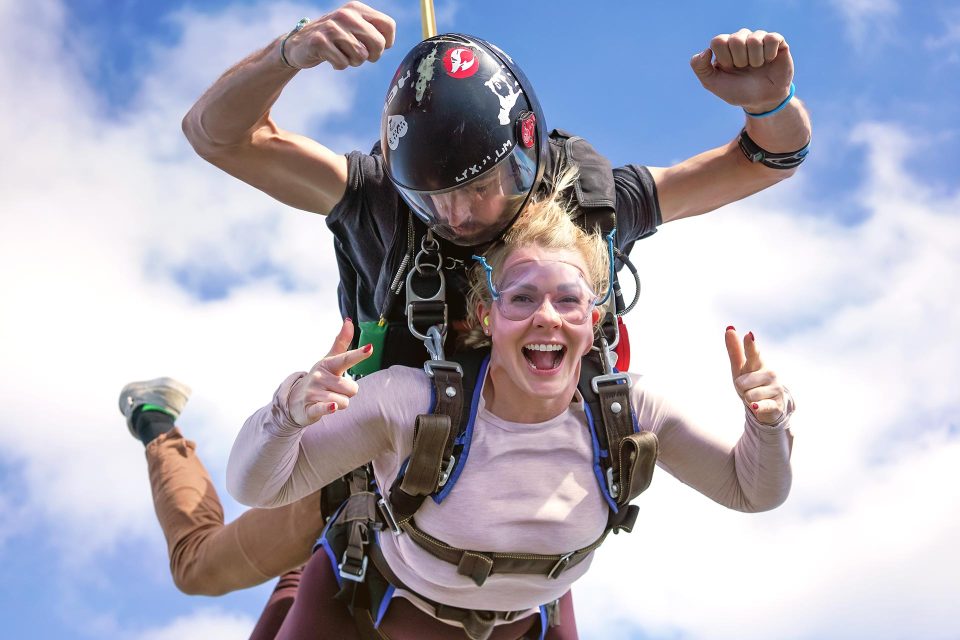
(162, 392)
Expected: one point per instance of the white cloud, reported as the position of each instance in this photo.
(96, 216)
(947, 43)
(860, 323)
(868, 21)
(202, 625)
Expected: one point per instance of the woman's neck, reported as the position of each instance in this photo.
(504, 399)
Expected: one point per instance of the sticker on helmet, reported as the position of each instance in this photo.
(460, 62)
(396, 129)
(499, 84)
(527, 127)
(425, 74)
(400, 81)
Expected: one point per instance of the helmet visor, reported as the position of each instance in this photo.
(477, 210)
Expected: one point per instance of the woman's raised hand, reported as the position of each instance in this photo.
(756, 385)
(324, 389)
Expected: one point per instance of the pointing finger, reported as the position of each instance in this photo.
(734, 350)
(753, 363)
(338, 364)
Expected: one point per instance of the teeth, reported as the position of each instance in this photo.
(544, 347)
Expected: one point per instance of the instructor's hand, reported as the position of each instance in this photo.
(345, 37)
(756, 385)
(749, 69)
(324, 389)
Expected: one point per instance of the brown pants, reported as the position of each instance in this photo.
(208, 557)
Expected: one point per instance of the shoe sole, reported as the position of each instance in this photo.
(151, 392)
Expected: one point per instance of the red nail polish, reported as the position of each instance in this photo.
(368, 348)
(755, 406)
(731, 328)
(750, 335)
(332, 407)
(347, 319)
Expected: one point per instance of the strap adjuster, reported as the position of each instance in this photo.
(430, 365)
(561, 565)
(388, 516)
(614, 378)
(445, 474)
(355, 576)
(613, 487)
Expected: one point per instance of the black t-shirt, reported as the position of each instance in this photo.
(369, 226)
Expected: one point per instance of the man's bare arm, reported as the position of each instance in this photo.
(230, 125)
(752, 70)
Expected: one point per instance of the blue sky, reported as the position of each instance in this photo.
(125, 257)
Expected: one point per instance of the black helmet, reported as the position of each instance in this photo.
(463, 137)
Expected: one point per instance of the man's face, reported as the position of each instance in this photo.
(473, 212)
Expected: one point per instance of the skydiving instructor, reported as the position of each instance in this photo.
(231, 125)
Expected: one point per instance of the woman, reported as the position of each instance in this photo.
(530, 484)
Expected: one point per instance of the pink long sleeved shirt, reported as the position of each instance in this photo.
(524, 488)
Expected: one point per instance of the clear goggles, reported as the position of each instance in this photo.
(526, 286)
(477, 210)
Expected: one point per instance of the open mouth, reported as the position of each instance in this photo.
(544, 357)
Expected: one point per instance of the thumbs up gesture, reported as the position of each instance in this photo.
(324, 389)
(756, 385)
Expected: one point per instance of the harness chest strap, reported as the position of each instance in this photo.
(477, 623)
(478, 565)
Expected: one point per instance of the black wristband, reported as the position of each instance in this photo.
(755, 153)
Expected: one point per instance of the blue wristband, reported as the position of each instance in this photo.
(793, 90)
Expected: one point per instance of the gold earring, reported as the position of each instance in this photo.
(486, 321)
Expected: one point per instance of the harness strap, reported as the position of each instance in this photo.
(478, 565)
(638, 459)
(430, 435)
(477, 623)
(618, 424)
(359, 512)
(431, 457)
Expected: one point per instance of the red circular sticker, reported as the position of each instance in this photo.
(461, 62)
(528, 129)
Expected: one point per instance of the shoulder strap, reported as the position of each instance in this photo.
(631, 453)
(594, 191)
(438, 442)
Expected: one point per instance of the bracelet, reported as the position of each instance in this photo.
(793, 90)
(755, 153)
(283, 54)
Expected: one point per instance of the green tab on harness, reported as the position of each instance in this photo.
(371, 333)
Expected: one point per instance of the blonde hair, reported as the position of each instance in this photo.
(546, 223)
